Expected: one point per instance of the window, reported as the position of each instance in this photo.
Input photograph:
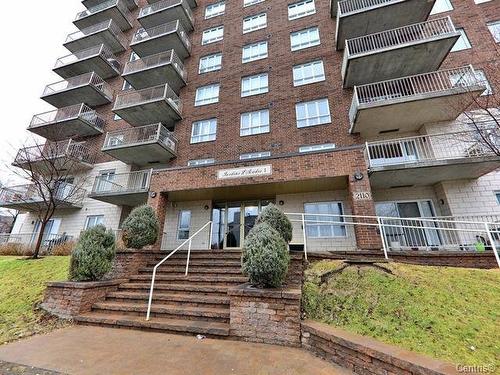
(198, 162)
(214, 10)
(254, 51)
(301, 9)
(253, 85)
(116, 118)
(481, 1)
(462, 42)
(253, 23)
(105, 180)
(304, 38)
(481, 77)
(320, 215)
(497, 194)
(441, 6)
(313, 148)
(247, 3)
(204, 131)
(207, 95)
(308, 73)
(254, 122)
(184, 225)
(212, 35)
(255, 155)
(94, 220)
(210, 63)
(494, 28)
(312, 113)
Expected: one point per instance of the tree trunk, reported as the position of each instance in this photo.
(38, 245)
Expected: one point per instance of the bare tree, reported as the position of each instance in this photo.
(51, 169)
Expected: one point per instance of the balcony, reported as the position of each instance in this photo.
(115, 10)
(145, 146)
(88, 88)
(107, 33)
(383, 107)
(191, 3)
(164, 67)
(63, 155)
(30, 198)
(98, 59)
(166, 11)
(429, 159)
(149, 106)
(131, 4)
(409, 50)
(69, 122)
(356, 18)
(124, 189)
(162, 38)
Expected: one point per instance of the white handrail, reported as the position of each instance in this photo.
(188, 241)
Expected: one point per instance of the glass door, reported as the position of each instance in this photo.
(233, 234)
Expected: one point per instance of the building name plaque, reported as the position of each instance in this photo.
(245, 172)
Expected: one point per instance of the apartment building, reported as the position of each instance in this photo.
(209, 110)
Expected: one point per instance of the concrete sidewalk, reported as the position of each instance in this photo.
(94, 350)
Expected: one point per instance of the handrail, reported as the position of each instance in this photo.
(189, 240)
(100, 50)
(351, 6)
(82, 111)
(109, 24)
(143, 35)
(163, 5)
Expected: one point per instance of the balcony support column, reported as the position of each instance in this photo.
(158, 200)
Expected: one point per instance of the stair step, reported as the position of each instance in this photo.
(204, 254)
(184, 287)
(155, 323)
(192, 270)
(199, 262)
(177, 297)
(193, 278)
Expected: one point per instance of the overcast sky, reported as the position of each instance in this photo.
(32, 48)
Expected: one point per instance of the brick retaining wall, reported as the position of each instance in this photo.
(127, 263)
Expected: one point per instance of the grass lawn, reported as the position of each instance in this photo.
(22, 283)
(447, 313)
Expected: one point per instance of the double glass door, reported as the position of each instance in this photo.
(232, 221)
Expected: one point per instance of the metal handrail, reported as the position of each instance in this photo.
(101, 50)
(64, 191)
(106, 5)
(82, 111)
(53, 150)
(188, 241)
(152, 61)
(350, 6)
(132, 98)
(164, 4)
(94, 29)
(82, 80)
(130, 182)
(143, 35)
(141, 135)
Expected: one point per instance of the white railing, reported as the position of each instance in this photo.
(152, 61)
(163, 5)
(101, 50)
(81, 111)
(52, 150)
(141, 135)
(91, 79)
(104, 6)
(143, 35)
(444, 146)
(26, 194)
(132, 98)
(97, 28)
(122, 183)
(419, 32)
(189, 243)
(349, 6)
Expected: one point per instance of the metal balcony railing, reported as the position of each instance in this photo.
(351, 6)
(94, 29)
(141, 135)
(91, 79)
(163, 58)
(165, 4)
(143, 35)
(53, 150)
(433, 147)
(418, 32)
(106, 5)
(101, 50)
(81, 111)
(25, 194)
(122, 183)
(133, 98)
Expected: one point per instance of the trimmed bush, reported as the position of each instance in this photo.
(273, 216)
(93, 255)
(265, 257)
(141, 228)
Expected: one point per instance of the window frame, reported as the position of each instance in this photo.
(310, 44)
(319, 116)
(205, 42)
(314, 79)
(219, 3)
(497, 34)
(446, 3)
(255, 155)
(210, 136)
(90, 217)
(317, 148)
(254, 57)
(262, 127)
(464, 39)
(247, 3)
(214, 99)
(307, 216)
(215, 67)
(252, 92)
(182, 228)
(258, 26)
(295, 16)
(200, 162)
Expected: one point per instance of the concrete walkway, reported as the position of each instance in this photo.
(94, 350)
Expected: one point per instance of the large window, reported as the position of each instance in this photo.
(254, 51)
(253, 23)
(308, 73)
(210, 63)
(253, 85)
(301, 9)
(314, 148)
(204, 131)
(441, 6)
(198, 162)
(207, 95)
(494, 28)
(304, 38)
(184, 225)
(254, 122)
(94, 220)
(323, 218)
(212, 35)
(214, 10)
(312, 113)
(462, 42)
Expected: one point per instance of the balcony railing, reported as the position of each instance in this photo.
(351, 6)
(106, 5)
(97, 28)
(141, 135)
(165, 4)
(434, 147)
(54, 150)
(419, 32)
(148, 62)
(122, 183)
(134, 98)
(29, 194)
(101, 50)
(91, 79)
(81, 111)
(143, 35)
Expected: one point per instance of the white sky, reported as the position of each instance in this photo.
(33, 46)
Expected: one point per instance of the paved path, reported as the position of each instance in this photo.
(95, 350)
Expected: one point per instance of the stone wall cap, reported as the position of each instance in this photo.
(250, 291)
(140, 251)
(84, 284)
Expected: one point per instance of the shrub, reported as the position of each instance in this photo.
(265, 257)
(141, 228)
(15, 249)
(63, 249)
(273, 216)
(93, 255)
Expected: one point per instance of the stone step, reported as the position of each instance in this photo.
(200, 262)
(194, 327)
(167, 269)
(206, 279)
(207, 289)
(186, 298)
